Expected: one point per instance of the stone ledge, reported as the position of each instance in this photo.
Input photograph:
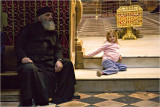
(131, 62)
(131, 73)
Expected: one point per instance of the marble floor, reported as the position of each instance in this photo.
(134, 99)
(92, 33)
(147, 46)
(121, 99)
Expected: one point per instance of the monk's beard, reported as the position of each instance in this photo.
(48, 25)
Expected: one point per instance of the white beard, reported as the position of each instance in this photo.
(48, 25)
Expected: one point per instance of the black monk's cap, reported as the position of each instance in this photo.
(43, 10)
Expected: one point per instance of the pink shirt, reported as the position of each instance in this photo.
(111, 51)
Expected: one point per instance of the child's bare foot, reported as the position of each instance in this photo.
(99, 73)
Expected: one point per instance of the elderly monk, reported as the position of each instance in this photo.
(43, 72)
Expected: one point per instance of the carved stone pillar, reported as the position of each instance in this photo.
(79, 51)
(79, 54)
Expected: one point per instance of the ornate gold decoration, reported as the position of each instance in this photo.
(129, 16)
(79, 11)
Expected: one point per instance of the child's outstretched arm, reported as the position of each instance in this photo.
(96, 51)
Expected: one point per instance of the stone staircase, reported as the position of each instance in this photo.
(143, 74)
(134, 79)
(142, 57)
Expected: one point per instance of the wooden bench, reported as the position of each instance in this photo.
(9, 78)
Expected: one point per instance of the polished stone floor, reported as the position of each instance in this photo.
(92, 32)
(126, 99)
(144, 47)
(121, 99)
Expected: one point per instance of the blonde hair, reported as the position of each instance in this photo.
(114, 33)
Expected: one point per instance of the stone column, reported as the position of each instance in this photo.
(79, 54)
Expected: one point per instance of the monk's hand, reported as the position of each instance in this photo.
(26, 60)
(58, 66)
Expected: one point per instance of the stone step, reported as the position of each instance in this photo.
(8, 95)
(131, 62)
(101, 30)
(134, 79)
(9, 80)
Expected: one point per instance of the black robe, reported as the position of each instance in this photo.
(38, 80)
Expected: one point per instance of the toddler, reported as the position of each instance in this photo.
(111, 55)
